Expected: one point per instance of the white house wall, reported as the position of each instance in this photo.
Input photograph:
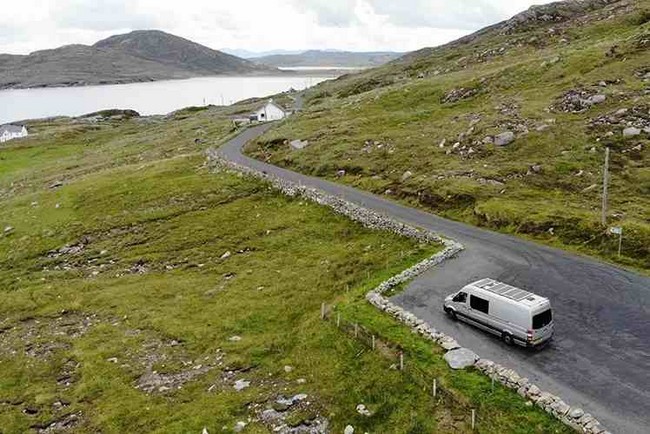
(271, 113)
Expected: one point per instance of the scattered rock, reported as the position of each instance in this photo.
(449, 344)
(406, 175)
(340, 173)
(234, 338)
(459, 94)
(576, 413)
(590, 188)
(577, 101)
(597, 99)
(239, 426)
(288, 369)
(631, 132)
(226, 255)
(299, 144)
(348, 430)
(504, 138)
(241, 385)
(363, 410)
(8, 229)
(460, 358)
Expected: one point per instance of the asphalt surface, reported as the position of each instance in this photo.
(600, 356)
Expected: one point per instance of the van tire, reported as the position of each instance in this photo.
(452, 314)
(507, 338)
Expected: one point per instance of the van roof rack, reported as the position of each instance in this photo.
(505, 290)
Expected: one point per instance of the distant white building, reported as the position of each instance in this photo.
(269, 112)
(10, 132)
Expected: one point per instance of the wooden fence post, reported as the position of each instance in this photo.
(322, 311)
(473, 418)
(338, 319)
(373, 342)
(356, 330)
(435, 387)
(401, 360)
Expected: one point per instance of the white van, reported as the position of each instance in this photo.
(517, 316)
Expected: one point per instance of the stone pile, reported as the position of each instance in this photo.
(628, 121)
(459, 94)
(578, 101)
(456, 356)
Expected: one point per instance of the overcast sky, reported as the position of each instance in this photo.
(255, 25)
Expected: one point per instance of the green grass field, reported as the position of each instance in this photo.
(421, 131)
(139, 288)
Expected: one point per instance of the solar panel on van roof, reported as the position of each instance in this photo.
(504, 289)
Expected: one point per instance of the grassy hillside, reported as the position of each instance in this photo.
(140, 290)
(506, 128)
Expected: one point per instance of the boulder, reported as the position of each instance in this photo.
(504, 139)
(631, 132)
(460, 358)
(406, 175)
(597, 99)
(348, 430)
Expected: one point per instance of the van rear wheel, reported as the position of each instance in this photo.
(507, 338)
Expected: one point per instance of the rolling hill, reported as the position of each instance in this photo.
(505, 128)
(134, 57)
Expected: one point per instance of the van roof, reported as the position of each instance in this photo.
(510, 292)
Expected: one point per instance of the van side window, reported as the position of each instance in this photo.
(479, 304)
(461, 297)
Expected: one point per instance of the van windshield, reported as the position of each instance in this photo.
(543, 319)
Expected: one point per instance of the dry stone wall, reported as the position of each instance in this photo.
(554, 405)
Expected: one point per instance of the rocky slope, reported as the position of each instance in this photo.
(505, 128)
(134, 57)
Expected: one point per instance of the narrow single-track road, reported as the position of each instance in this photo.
(600, 356)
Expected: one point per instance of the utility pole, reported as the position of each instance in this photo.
(605, 182)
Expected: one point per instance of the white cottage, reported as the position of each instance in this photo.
(10, 132)
(269, 112)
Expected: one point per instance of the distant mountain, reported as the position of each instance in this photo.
(328, 58)
(247, 54)
(134, 57)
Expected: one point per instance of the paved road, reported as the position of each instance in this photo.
(600, 357)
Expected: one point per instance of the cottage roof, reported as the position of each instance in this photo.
(11, 128)
(271, 102)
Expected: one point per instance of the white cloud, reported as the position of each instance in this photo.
(255, 25)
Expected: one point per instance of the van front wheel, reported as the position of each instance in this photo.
(507, 338)
(452, 314)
